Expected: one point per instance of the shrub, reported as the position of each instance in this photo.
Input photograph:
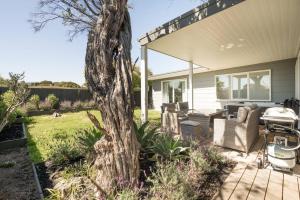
(170, 182)
(34, 100)
(53, 100)
(8, 97)
(195, 179)
(87, 139)
(128, 194)
(62, 151)
(145, 136)
(166, 147)
(73, 188)
(65, 105)
(88, 104)
(198, 162)
(45, 105)
(28, 107)
(77, 105)
(74, 182)
(213, 157)
(91, 104)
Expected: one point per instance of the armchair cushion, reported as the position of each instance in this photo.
(242, 114)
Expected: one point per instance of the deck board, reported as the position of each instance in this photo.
(259, 187)
(230, 183)
(248, 182)
(244, 185)
(274, 190)
(290, 191)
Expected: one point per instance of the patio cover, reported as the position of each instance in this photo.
(223, 34)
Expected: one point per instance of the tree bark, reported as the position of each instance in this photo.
(108, 73)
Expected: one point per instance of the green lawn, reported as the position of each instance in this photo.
(42, 130)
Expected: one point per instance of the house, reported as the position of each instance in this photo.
(236, 51)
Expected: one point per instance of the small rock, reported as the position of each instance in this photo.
(56, 114)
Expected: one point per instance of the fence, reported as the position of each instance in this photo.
(72, 94)
(64, 94)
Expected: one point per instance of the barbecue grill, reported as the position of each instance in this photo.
(280, 153)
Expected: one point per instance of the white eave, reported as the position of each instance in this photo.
(231, 33)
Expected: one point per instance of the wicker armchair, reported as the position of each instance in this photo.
(171, 117)
(236, 133)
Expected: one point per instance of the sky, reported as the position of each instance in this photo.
(49, 55)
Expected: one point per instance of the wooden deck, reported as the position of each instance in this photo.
(246, 181)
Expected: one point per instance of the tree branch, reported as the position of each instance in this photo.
(90, 8)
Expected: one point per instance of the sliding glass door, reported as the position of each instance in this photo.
(174, 91)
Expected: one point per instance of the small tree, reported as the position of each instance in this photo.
(108, 73)
(18, 94)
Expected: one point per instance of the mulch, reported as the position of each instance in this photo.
(12, 132)
(17, 181)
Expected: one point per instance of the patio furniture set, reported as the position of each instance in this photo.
(177, 118)
(236, 133)
(240, 130)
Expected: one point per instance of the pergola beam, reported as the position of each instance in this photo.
(297, 76)
(144, 83)
(191, 86)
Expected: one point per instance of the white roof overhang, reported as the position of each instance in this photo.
(231, 33)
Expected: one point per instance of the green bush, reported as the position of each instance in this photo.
(213, 157)
(53, 100)
(65, 105)
(3, 106)
(166, 147)
(34, 100)
(127, 194)
(45, 105)
(170, 182)
(145, 136)
(87, 139)
(194, 178)
(62, 151)
(199, 163)
(77, 105)
(6, 99)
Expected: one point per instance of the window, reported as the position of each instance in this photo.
(239, 86)
(252, 86)
(223, 86)
(174, 91)
(260, 85)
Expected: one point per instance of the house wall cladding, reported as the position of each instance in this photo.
(282, 84)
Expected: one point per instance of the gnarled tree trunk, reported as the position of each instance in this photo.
(108, 73)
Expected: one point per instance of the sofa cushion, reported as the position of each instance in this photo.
(242, 114)
(253, 106)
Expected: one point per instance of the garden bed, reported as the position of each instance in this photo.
(16, 175)
(207, 185)
(13, 136)
(46, 173)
